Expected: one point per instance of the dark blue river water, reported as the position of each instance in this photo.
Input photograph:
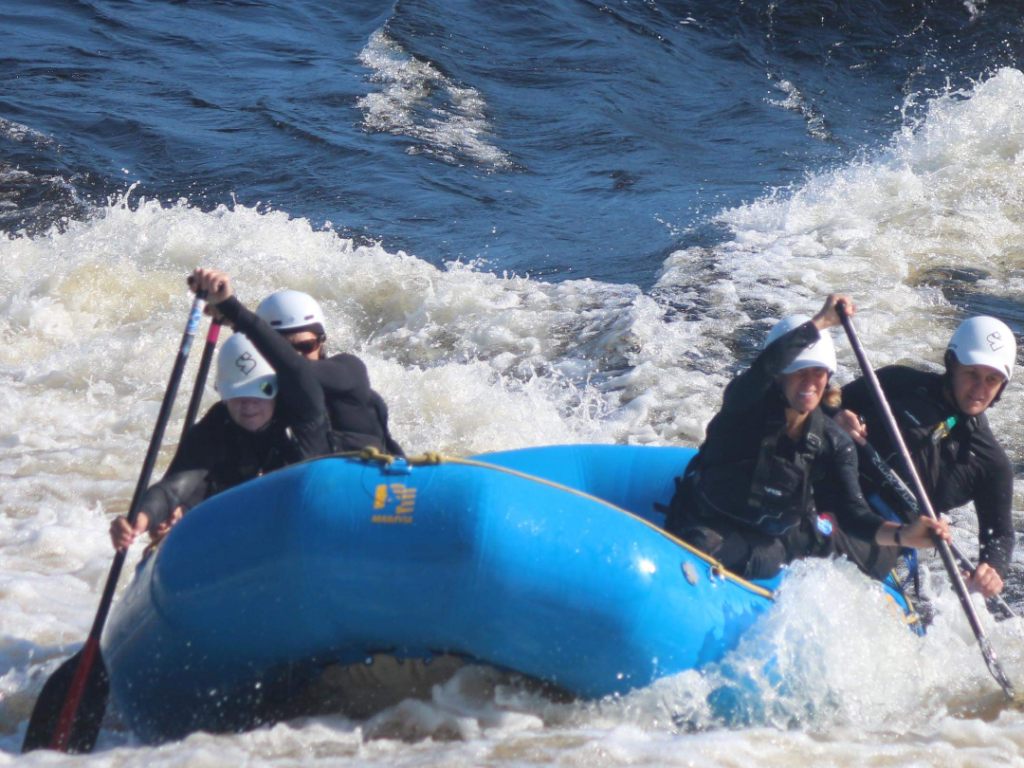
(582, 139)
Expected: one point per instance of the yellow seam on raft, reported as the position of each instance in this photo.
(437, 459)
(431, 458)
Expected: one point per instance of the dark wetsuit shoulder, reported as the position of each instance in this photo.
(896, 381)
(357, 413)
(344, 375)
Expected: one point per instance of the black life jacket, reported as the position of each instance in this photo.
(345, 441)
(248, 455)
(354, 427)
(779, 496)
(924, 421)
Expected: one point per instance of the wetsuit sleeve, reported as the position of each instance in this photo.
(852, 512)
(749, 387)
(186, 481)
(994, 505)
(176, 489)
(298, 388)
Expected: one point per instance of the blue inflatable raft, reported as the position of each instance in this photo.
(549, 562)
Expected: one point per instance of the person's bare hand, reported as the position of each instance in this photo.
(921, 533)
(827, 316)
(122, 535)
(165, 527)
(985, 580)
(216, 283)
(853, 426)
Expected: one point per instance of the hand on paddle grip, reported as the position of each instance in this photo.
(827, 316)
(853, 425)
(122, 535)
(165, 527)
(985, 581)
(924, 533)
(216, 283)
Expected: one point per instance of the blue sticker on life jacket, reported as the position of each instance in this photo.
(825, 525)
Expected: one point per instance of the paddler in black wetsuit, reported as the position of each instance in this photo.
(943, 422)
(359, 416)
(272, 413)
(748, 497)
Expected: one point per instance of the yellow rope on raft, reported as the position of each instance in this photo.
(432, 458)
(717, 569)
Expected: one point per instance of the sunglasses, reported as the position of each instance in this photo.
(306, 347)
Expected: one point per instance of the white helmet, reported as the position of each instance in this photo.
(242, 371)
(985, 341)
(820, 354)
(291, 310)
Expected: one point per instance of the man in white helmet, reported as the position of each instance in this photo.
(271, 414)
(943, 422)
(358, 415)
(749, 497)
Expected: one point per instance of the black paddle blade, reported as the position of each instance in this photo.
(42, 726)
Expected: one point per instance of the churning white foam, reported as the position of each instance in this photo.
(796, 102)
(22, 133)
(417, 100)
(948, 194)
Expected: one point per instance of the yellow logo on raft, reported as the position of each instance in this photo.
(397, 502)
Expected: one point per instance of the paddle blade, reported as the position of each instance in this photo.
(996, 668)
(42, 726)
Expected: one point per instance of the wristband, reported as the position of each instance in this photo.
(896, 535)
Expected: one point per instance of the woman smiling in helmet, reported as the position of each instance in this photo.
(271, 414)
(748, 497)
(358, 415)
(942, 419)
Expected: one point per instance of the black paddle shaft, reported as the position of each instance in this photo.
(75, 687)
(878, 397)
(194, 318)
(204, 369)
